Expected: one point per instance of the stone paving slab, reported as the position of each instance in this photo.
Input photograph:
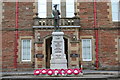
(101, 72)
(86, 77)
(86, 74)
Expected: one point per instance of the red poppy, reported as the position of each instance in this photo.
(37, 72)
(76, 71)
(44, 71)
(50, 72)
(62, 71)
(69, 71)
(56, 71)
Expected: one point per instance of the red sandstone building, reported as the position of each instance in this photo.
(92, 36)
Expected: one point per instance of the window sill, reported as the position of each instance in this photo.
(26, 62)
(87, 60)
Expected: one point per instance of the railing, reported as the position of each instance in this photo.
(63, 21)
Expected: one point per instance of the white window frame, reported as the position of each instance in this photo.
(42, 12)
(22, 50)
(83, 55)
(70, 8)
(58, 2)
(115, 5)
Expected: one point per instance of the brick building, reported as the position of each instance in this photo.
(92, 36)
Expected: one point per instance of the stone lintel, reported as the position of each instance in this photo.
(74, 41)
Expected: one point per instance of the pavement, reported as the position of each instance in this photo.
(87, 74)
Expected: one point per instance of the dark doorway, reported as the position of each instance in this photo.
(49, 50)
(66, 48)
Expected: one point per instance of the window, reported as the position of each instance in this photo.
(42, 10)
(56, 2)
(86, 50)
(69, 8)
(115, 10)
(26, 50)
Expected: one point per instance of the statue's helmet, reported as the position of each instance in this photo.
(55, 5)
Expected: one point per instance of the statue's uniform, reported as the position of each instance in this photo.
(56, 14)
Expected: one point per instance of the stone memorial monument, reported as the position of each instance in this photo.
(58, 57)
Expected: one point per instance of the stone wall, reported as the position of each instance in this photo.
(107, 33)
(25, 22)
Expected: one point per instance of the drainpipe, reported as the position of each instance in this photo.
(96, 33)
(16, 37)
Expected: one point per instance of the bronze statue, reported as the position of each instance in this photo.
(56, 14)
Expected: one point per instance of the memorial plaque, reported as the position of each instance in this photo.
(74, 55)
(39, 56)
(58, 57)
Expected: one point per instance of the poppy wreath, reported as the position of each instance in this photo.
(50, 72)
(76, 71)
(37, 72)
(80, 70)
(44, 71)
(56, 71)
(69, 71)
(62, 71)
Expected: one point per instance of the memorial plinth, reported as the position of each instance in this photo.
(58, 57)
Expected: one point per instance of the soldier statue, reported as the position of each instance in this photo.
(56, 14)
